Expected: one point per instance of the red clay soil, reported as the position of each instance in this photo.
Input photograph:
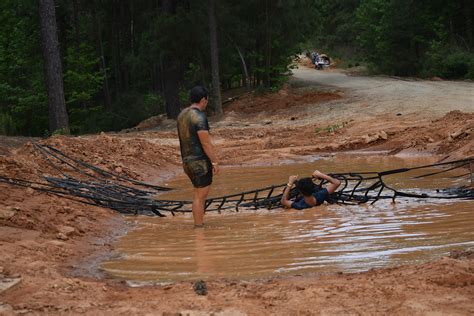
(249, 104)
(44, 239)
(451, 136)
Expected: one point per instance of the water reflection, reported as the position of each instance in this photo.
(204, 260)
(327, 238)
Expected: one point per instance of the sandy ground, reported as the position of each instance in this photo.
(50, 245)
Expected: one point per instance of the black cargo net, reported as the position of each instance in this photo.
(89, 184)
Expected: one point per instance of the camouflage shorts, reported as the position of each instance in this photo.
(200, 172)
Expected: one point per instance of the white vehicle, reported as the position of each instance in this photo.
(322, 62)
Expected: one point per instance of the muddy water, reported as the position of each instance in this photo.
(253, 244)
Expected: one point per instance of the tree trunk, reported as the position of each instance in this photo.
(268, 46)
(203, 70)
(246, 80)
(75, 15)
(124, 65)
(103, 64)
(58, 118)
(115, 48)
(244, 67)
(171, 73)
(215, 89)
(171, 90)
(168, 6)
(468, 7)
(132, 30)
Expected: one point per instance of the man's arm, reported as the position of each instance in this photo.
(286, 192)
(333, 183)
(206, 143)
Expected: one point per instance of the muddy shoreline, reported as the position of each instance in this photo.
(89, 267)
(44, 239)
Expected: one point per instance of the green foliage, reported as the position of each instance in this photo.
(415, 38)
(128, 111)
(447, 63)
(22, 93)
(153, 104)
(134, 43)
(82, 80)
(184, 95)
(335, 32)
(61, 131)
(410, 37)
(116, 55)
(390, 35)
(7, 126)
(330, 128)
(277, 28)
(193, 74)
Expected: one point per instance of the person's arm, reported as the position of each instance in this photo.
(286, 192)
(206, 143)
(333, 183)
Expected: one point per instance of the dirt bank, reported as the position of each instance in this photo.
(44, 238)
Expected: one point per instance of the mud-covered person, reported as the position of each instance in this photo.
(197, 152)
(311, 193)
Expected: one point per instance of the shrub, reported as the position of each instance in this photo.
(447, 63)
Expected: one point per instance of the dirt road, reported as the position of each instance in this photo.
(351, 113)
(44, 239)
(381, 95)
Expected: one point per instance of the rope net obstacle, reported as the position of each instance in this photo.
(92, 185)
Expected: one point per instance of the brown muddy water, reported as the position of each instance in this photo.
(329, 238)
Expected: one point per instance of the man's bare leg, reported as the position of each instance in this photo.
(200, 196)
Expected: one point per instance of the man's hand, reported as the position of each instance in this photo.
(292, 179)
(333, 182)
(317, 174)
(286, 192)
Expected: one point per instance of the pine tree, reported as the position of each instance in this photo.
(58, 117)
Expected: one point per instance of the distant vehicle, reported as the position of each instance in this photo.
(322, 62)
(319, 61)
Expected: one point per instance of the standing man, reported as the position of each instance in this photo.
(197, 151)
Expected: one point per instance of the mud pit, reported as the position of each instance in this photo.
(45, 240)
(267, 243)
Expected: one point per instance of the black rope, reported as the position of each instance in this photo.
(109, 189)
(103, 172)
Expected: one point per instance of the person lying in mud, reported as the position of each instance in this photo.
(311, 193)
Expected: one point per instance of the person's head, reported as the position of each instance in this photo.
(306, 186)
(199, 95)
